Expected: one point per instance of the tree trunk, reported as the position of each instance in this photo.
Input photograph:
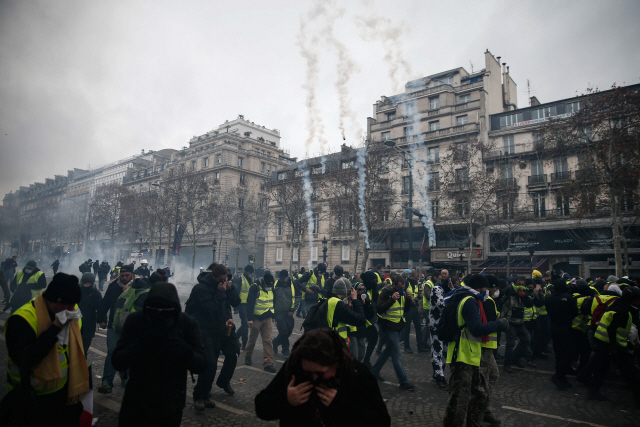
(625, 248)
(237, 256)
(193, 258)
(470, 246)
(293, 229)
(616, 231)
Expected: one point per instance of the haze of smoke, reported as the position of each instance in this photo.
(308, 190)
(314, 120)
(380, 28)
(426, 210)
(361, 158)
(323, 163)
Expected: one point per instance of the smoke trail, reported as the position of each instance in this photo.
(381, 28)
(323, 163)
(423, 190)
(314, 119)
(308, 190)
(361, 158)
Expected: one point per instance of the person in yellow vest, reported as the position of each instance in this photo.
(345, 310)
(413, 316)
(260, 314)
(284, 305)
(359, 334)
(488, 363)
(467, 392)
(580, 348)
(242, 283)
(393, 304)
(609, 342)
(26, 285)
(312, 285)
(542, 337)
(57, 372)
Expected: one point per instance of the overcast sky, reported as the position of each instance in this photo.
(86, 82)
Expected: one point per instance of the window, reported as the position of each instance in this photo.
(217, 178)
(406, 161)
(205, 162)
(193, 165)
(508, 144)
(539, 208)
(408, 131)
(243, 179)
(314, 194)
(407, 214)
(391, 116)
(348, 164)
(433, 155)
(462, 175)
(386, 136)
(439, 81)
(562, 205)
(295, 254)
(585, 135)
(282, 176)
(316, 223)
(240, 203)
(269, 168)
(219, 159)
(384, 163)
(346, 253)
(409, 109)
(573, 107)
(434, 125)
(263, 184)
(510, 120)
(435, 208)
(465, 98)
(434, 103)
(280, 226)
(406, 184)
(462, 120)
(537, 167)
(240, 161)
(182, 167)
(626, 201)
(347, 190)
(561, 165)
(434, 181)
(543, 113)
(508, 209)
(279, 255)
(507, 172)
(314, 254)
(263, 204)
(316, 170)
(463, 207)
(263, 166)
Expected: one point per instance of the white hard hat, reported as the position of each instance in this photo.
(144, 261)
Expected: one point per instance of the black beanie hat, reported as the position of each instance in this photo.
(64, 288)
(476, 281)
(493, 281)
(126, 269)
(322, 267)
(283, 274)
(249, 269)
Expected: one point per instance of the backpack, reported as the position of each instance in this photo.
(125, 306)
(599, 311)
(316, 317)
(447, 329)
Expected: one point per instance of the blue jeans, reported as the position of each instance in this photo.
(109, 373)
(101, 283)
(392, 349)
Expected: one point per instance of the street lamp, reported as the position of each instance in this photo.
(391, 143)
(175, 231)
(324, 249)
(213, 246)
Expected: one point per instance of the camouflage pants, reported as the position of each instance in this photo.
(467, 396)
(489, 369)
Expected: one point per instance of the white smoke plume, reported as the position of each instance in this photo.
(382, 29)
(361, 159)
(420, 156)
(323, 163)
(308, 191)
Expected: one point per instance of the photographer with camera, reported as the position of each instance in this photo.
(321, 384)
(393, 304)
(358, 334)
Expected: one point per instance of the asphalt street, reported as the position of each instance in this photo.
(525, 398)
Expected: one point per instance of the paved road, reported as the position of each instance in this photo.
(525, 398)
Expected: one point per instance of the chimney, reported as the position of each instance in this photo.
(533, 101)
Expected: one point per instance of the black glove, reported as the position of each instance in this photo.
(504, 325)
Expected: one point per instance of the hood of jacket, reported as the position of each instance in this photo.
(205, 278)
(163, 295)
(459, 294)
(141, 283)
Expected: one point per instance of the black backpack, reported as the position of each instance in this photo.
(447, 329)
(316, 317)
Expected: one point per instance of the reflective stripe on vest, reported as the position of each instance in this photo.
(528, 314)
(264, 303)
(581, 321)
(32, 280)
(493, 336)
(28, 312)
(313, 280)
(244, 290)
(470, 347)
(395, 313)
(622, 334)
(542, 311)
(340, 327)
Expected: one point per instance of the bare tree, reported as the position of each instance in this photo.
(603, 132)
(241, 216)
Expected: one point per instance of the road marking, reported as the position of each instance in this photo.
(225, 407)
(100, 335)
(101, 353)
(555, 417)
(253, 368)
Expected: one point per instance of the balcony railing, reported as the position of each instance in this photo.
(560, 176)
(460, 185)
(434, 186)
(538, 179)
(454, 130)
(507, 183)
(427, 91)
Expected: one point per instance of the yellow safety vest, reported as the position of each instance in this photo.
(264, 303)
(395, 313)
(341, 327)
(313, 280)
(426, 302)
(379, 278)
(28, 312)
(470, 347)
(528, 314)
(244, 290)
(33, 279)
(493, 336)
(602, 334)
(581, 321)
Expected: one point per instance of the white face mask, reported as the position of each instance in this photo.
(28, 270)
(496, 294)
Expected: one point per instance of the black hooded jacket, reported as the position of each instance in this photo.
(158, 353)
(23, 293)
(211, 306)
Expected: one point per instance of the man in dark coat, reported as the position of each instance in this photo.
(284, 305)
(26, 285)
(209, 303)
(89, 306)
(9, 267)
(55, 266)
(103, 273)
(96, 267)
(158, 345)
